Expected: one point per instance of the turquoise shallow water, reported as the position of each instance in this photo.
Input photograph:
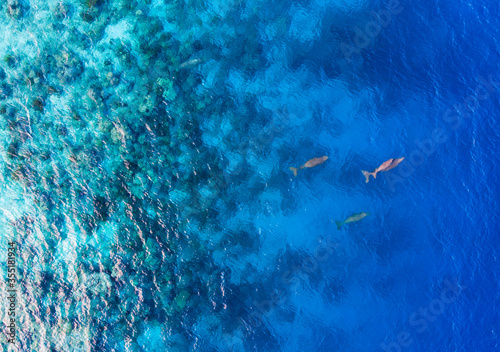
(145, 153)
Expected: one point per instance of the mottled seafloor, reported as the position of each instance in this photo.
(145, 149)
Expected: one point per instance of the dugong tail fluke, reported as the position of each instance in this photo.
(367, 175)
(294, 170)
(339, 224)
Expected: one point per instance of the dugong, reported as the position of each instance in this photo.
(386, 166)
(310, 163)
(352, 218)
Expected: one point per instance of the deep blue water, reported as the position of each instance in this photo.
(145, 175)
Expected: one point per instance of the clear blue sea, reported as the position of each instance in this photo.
(146, 196)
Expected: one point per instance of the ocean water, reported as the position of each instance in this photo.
(147, 202)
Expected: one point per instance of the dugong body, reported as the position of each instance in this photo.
(352, 218)
(310, 163)
(386, 166)
(394, 163)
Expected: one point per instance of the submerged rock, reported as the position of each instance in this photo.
(182, 299)
(16, 8)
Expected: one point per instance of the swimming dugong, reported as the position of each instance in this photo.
(386, 166)
(310, 163)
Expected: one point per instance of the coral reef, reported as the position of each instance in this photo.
(132, 127)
